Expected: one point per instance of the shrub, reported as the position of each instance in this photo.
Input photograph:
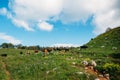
(115, 55)
(112, 69)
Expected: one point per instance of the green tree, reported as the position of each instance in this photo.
(4, 45)
(10, 45)
(19, 46)
(7, 45)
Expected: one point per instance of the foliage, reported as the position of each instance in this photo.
(111, 68)
(115, 55)
(55, 66)
(7, 45)
(108, 41)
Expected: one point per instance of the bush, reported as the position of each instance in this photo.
(115, 55)
(111, 68)
(99, 68)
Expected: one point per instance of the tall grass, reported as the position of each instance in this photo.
(36, 67)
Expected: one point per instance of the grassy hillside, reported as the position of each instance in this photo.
(105, 49)
(33, 66)
(109, 41)
(59, 65)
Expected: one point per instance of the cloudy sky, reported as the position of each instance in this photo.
(56, 22)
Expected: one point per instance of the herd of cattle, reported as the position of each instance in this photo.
(45, 51)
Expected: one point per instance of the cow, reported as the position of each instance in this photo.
(21, 52)
(36, 51)
(45, 52)
(84, 47)
(4, 55)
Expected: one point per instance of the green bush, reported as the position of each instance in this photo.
(113, 70)
(115, 55)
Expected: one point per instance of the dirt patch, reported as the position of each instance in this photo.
(6, 71)
(91, 71)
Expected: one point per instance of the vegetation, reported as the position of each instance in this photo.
(36, 67)
(62, 63)
(112, 69)
(105, 49)
(109, 41)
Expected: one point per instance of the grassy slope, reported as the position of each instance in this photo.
(101, 50)
(106, 41)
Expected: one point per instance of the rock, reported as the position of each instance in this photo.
(47, 72)
(106, 75)
(86, 68)
(100, 75)
(85, 62)
(73, 63)
(97, 79)
(54, 69)
(79, 72)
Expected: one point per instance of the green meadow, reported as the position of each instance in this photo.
(36, 67)
(54, 66)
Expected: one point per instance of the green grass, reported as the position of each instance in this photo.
(2, 71)
(37, 67)
(106, 41)
(53, 66)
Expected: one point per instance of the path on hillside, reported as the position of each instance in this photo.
(6, 71)
(91, 71)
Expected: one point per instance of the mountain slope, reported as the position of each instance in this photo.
(110, 40)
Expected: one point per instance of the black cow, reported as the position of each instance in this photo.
(83, 47)
(4, 55)
(21, 52)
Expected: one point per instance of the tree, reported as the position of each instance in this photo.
(10, 45)
(7, 45)
(4, 45)
(19, 46)
(33, 47)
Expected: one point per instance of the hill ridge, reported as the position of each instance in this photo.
(108, 40)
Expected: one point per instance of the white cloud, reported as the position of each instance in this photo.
(65, 45)
(3, 11)
(21, 23)
(9, 39)
(105, 12)
(102, 22)
(27, 14)
(107, 17)
(18, 23)
(45, 26)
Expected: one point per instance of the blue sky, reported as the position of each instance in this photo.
(55, 22)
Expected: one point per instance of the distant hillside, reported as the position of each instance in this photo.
(110, 40)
